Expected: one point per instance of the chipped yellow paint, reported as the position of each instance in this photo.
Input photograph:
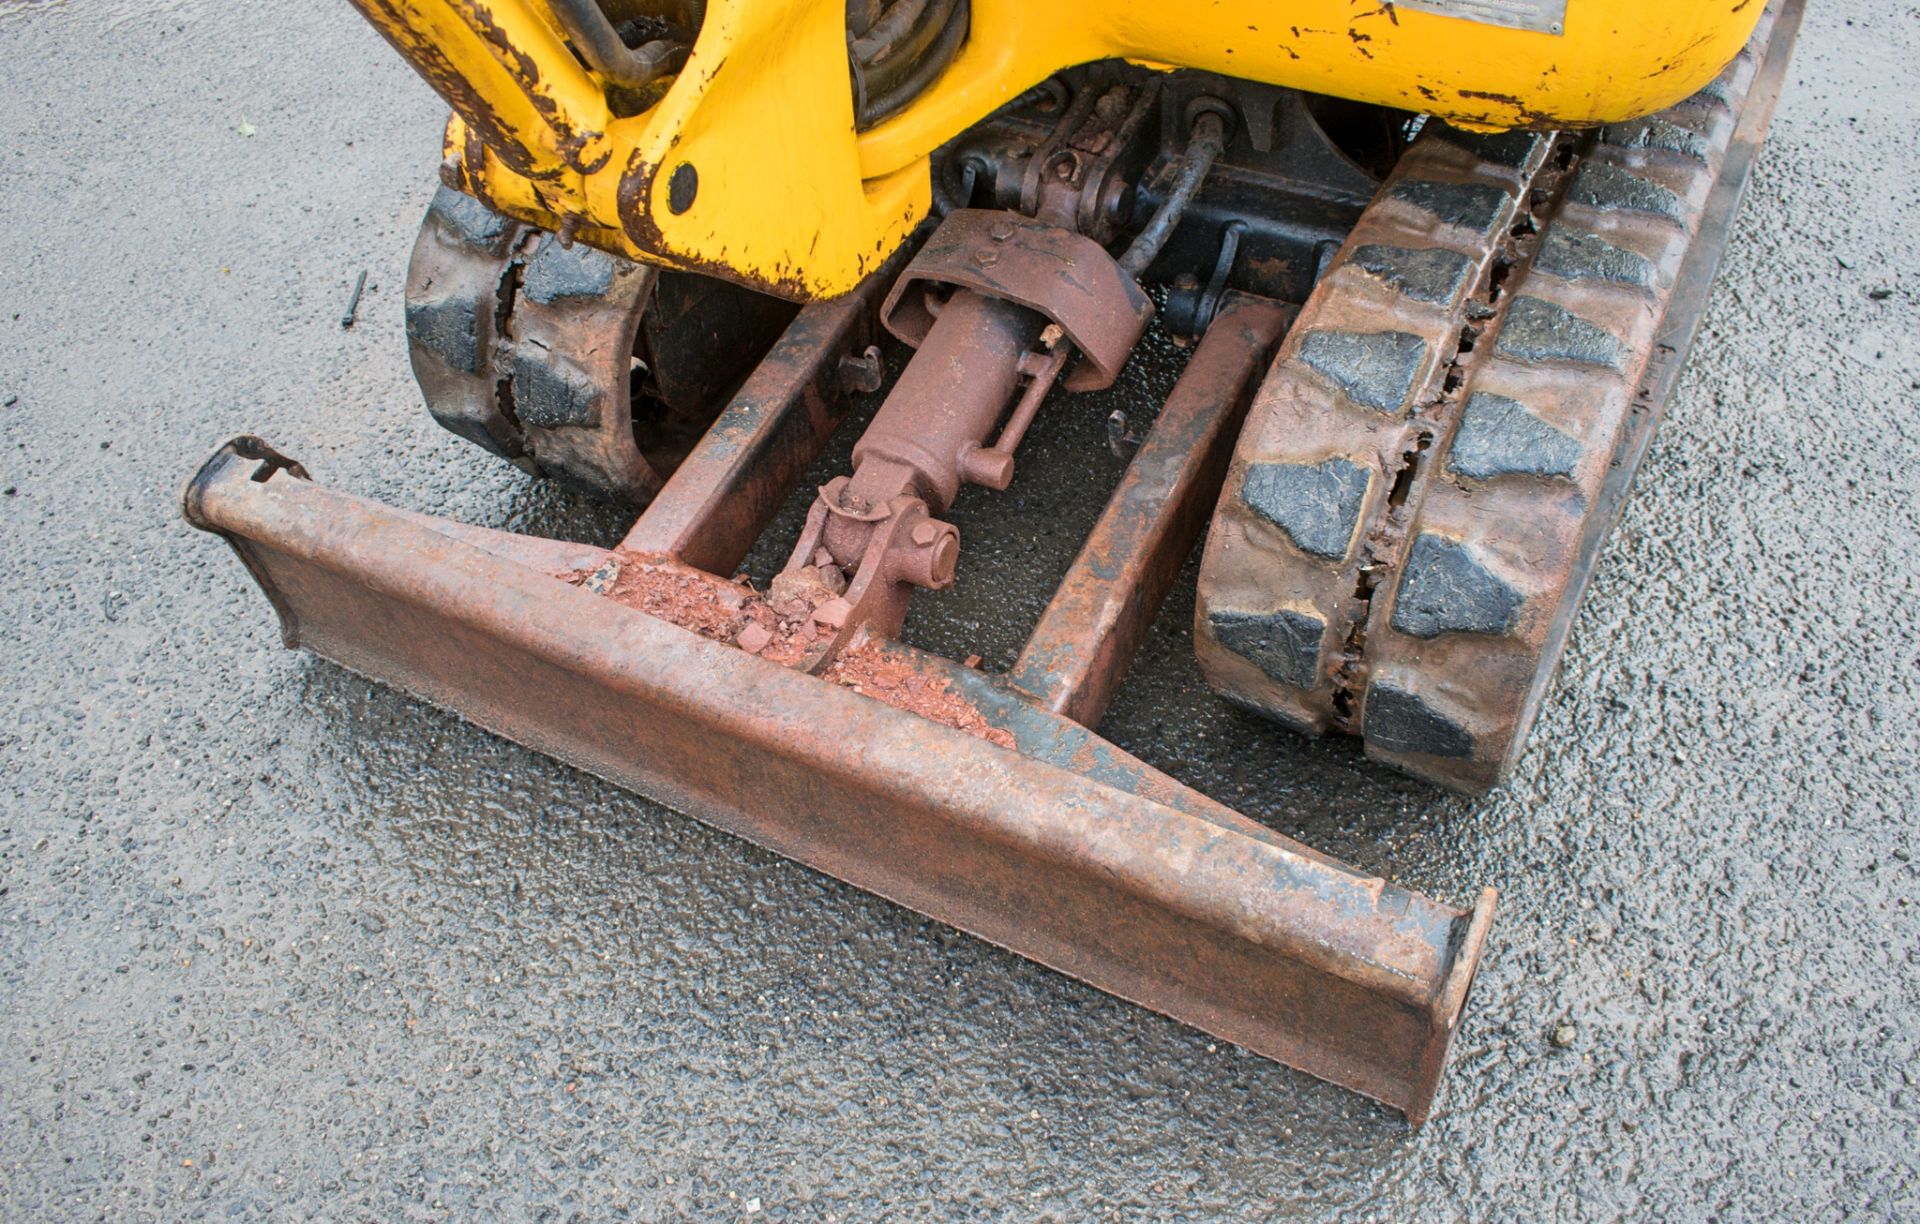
(791, 199)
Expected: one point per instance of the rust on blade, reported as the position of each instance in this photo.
(1062, 848)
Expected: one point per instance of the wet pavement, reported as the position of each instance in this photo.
(275, 940)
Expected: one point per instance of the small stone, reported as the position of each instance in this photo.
(602, 580)
(833, 613)
(1563, 1035)
(754, 638)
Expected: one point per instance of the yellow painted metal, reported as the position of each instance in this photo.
(1614, 60)
(779, 191)
(506, 70)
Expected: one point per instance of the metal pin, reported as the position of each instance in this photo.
(353, 303)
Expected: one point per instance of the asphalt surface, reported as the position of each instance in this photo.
(276, 941)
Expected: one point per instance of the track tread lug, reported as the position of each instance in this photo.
(1576, 254)
(558, 271)
(1399, 722)
(1498, 436)
(547, 396)
(1317, 506)
(1478, 208)
(447, 328)
(1725, 89)
(1445, 588)
(1285, 644)
(467, 221)
(1609, 188)
(1425, 274)
(1658, 133)
(1377, 370)
(1537, 330)
(1512, 150)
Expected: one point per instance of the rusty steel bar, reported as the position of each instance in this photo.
(1080, 649)
(719, 500)
(1068, 851)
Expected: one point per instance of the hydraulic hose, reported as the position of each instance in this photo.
(601, 46)
(909, 64)
(1204, 145)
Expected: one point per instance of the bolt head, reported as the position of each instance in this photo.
(946, 559)
(925, 533)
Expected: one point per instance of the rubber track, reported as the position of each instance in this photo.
(523, 345)
(1402, 521)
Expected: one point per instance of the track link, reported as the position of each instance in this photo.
(1415, 503)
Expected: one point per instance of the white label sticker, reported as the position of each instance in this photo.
(1541, 16)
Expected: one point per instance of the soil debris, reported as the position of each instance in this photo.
(784, 631)
(868, 668)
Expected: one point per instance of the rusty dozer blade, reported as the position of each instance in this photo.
(974, 799)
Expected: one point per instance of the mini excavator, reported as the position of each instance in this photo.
(1437, 264)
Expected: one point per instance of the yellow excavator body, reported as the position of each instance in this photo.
(747, 162)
